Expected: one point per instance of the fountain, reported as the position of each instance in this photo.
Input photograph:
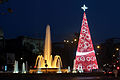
(26, 67)
(47, 61)
(74, 68)
(16, 67)
(23, 68)
(47, 53)
(39, 68)
(69, 69)
(59, 69)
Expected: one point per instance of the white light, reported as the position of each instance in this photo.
(71, 41)
(104, 65)
(84, 7)
(117, 49)
(113, 55)
(114, 65)
(75, 39)
(97, 53)
(21, 58)
(67, 40)
(64, 40)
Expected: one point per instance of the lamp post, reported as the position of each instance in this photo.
(98, 47)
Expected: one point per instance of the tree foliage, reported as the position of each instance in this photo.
(4, 8)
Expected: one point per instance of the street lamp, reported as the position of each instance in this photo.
(113, 55)
(75, 40)
(67, 40)
(97, 53)
(98, 47)
(21, 58)
(64, 40)
(117, 49)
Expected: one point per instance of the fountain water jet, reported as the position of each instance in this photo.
(16, 67)
(74, 68)
(59, 69)
(52, 64)
(69, 69)
(47, 54)
(23, 68)
(39, 68)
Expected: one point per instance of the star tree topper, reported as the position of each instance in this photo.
(84, 7)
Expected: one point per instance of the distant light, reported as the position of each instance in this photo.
(98, 47)
(117, 49)
(110, 72)
(97, 53)
(64, 40)
(117, 61)
(118, 68)
(67, 40)
(113, 55)
(104, 65)
(75, 40)
(114, 65)
(34, 66)
(71, 41)
(5, 68)
(21, 58)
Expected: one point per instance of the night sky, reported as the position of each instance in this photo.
(30, 17)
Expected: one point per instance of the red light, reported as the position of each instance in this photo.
(118, 68)
(110, 72)
(117, 61)
(34, 66)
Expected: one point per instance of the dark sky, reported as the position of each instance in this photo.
(30, 18)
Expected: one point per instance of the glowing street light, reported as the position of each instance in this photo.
(118, 68)
(97, 53)
(113, 55)
(71, 41)
(98, 47)
(64, 40)
(67, 40)
(117, 49)
(75, 40)
(21, 58)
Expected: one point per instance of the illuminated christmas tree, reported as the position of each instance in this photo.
(85, 55)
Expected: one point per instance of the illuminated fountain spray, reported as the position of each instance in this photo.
(69, 69)
(39, 68)
(59, 69)
(16, 67)
(23, 68)
(47, 54)
(74, 68)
